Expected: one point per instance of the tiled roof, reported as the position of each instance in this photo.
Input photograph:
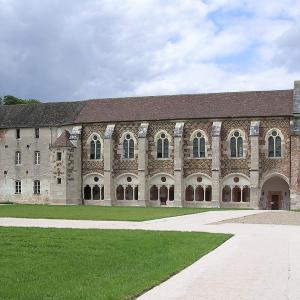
(176, 107)
(63, 140)
(39, 115)
(214, 105)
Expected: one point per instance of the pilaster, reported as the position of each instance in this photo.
(109, 195)
(216, 164)
(254, 164)
(295, 165)
(143, 163)
(178, 164)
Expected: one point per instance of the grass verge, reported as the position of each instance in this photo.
(39, 263)
(99, 213)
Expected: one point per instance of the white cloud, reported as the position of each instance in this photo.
(66, 50)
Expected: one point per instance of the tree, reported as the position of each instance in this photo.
(12, 100)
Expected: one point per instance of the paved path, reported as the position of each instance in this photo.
(259, 262)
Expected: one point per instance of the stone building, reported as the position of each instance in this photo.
(237, 149)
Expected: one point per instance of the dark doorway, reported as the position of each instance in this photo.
(275, 202)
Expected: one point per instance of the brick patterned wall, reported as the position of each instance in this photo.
(229, 165)
(295, 152)
(121, 165)
(196, 165)
(154, 165)
(269, 165)
(90, 166)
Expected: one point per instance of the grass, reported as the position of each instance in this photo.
(39, 263)
(101, 213)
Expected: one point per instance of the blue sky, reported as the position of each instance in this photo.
(72, 49)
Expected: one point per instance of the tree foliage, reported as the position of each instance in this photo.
(12, 100)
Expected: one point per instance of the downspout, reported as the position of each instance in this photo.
(290, 167)
(81, 166)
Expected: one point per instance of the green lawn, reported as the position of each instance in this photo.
(38, 263)
(85, 212)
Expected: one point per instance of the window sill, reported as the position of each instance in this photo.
(199, 158)
(163, 158)
(99, 159)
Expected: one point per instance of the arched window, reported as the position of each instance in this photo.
(163, 194)
(128, 147)
(87, 193)
(95, 148)
(154, 192)
(199, 146)
(171, 193)
(162, 146)
(274, 142)
(120, 192)
(236, 145)
(246, 194)
(236, 194)
(136, 193)
(102, 192)
(226, 194)
(208, 193)
(189, 193)
(129, 192)
(199, 194)
(96, 192)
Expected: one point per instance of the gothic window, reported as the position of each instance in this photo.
(128, 147)
(199, 146)
(95, 148)
(189, 193)
(274, 143)
(120, 192)
(96, 192)
(154, 192)
(87, 193)
(162, 146)
(236, 145)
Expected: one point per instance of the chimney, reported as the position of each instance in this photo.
(296, 98)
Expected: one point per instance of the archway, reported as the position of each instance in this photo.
(275, 194)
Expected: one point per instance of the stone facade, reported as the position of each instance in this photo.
(225, 162)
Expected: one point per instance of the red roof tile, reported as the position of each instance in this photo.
(198, 106)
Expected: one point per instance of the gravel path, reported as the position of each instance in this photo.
(271, 217)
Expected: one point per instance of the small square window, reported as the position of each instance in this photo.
(58, 180)
(18, 134)
(58, 156)
(37, 133)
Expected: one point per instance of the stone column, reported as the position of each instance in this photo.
(109, 193)
(254, 165)
(216, 163)
(178, 164)
(295, 150)
(143, 164)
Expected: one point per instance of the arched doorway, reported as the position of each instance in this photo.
(275, 194)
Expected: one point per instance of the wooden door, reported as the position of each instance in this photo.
(275, 202)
